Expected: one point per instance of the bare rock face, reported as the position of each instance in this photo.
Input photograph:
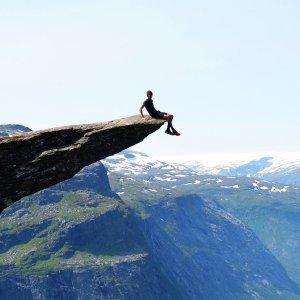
(33, 161)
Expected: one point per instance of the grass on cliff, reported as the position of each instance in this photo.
(72, 207)
(50, 246)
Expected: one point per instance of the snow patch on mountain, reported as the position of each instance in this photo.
(278, 167)
(131, 165)
(276, 190)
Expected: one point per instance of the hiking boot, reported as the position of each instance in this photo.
(168, 131)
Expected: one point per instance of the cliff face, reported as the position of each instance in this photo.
(72, 242)
(77, 240)
(33, 161)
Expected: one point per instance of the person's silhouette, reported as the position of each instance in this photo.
(148, 104)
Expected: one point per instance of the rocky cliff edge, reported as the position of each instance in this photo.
(33, 161)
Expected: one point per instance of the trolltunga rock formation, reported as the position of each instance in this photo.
(35, 160)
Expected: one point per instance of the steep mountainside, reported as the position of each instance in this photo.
(148, 238)
(270, 209)
(77, 240)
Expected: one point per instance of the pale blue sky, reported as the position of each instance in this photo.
(228, 70)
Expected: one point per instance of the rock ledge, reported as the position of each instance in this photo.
(35, 160)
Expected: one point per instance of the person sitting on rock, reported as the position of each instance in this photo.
(148, 104)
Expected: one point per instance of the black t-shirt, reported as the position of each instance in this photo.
(150, 107)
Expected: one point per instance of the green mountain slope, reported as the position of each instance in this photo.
(80, 240)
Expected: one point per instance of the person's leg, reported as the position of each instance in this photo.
(169, 118)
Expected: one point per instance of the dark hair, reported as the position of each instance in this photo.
(149, 93)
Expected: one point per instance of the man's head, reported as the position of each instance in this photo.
(149, 94)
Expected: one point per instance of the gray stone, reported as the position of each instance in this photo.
(33, 161)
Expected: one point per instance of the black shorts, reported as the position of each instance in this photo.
(158, 115)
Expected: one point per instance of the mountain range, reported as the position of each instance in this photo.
(277, 167)
(138, 228)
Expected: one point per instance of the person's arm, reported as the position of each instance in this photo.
(141, 110)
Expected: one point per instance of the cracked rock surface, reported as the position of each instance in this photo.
(33, 161)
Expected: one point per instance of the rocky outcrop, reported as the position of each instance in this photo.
(33, 161)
